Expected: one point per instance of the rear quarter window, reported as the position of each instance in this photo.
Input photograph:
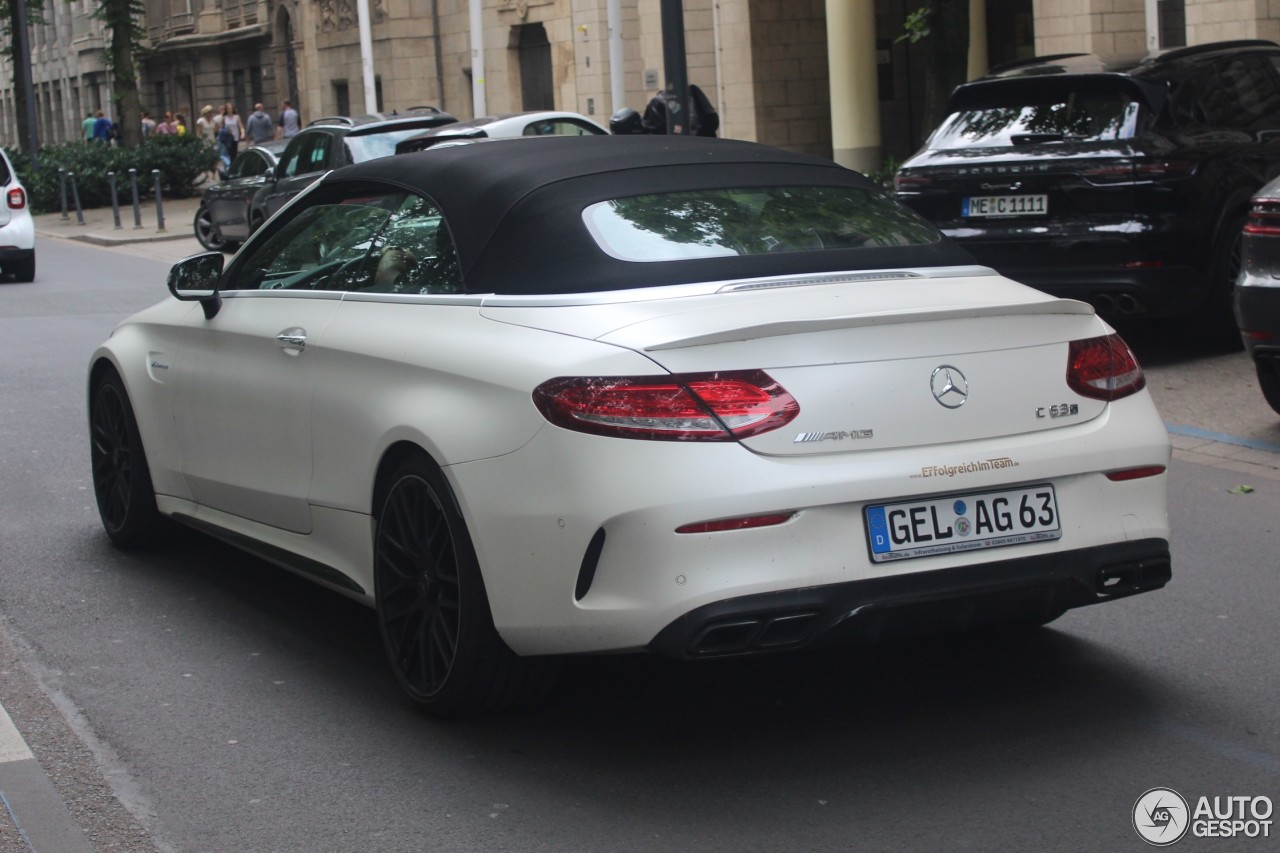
(751, 221)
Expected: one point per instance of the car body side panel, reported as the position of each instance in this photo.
(435, 375)
(146, 351)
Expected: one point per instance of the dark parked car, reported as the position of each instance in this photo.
(336, 142)
(222, 220)
(233, 210)
(1121, 183)
(1258, 290)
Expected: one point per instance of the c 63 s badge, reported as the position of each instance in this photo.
(1058, 410)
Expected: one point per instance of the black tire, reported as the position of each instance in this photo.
(24, 272)
(432, 609)
(121, 477)
(1217, 324)
(1269, 381)
(206, 232)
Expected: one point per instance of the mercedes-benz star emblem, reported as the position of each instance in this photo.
(949, 386)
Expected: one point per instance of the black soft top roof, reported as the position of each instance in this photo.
(515, 206)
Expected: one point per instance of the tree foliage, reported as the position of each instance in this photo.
(123, 18)
(943, 28)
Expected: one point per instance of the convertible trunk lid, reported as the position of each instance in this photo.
(873, 363)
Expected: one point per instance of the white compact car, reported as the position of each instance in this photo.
(513, 126)
(607, 394)
(17, 229)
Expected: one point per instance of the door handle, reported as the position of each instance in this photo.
(294, 338)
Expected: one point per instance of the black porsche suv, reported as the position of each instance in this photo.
(1120, 183)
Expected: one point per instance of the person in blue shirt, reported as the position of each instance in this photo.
(102, 129)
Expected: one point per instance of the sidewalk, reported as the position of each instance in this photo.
(99, 226)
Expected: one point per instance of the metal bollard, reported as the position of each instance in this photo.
(137, 208)
(62, 191)
(75, 194)
(115, 202)
(155, 174)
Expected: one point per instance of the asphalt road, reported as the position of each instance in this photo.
(231, 706)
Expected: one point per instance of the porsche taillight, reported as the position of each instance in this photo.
(16, 198)
(1264, 218)
(1103, 368)
(724, 406)
(1138, 171)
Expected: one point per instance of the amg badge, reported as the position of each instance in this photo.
(839, 435)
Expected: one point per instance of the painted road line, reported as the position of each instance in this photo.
(1223, 438)
(12, 746)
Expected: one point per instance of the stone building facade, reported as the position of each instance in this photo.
(765, 64)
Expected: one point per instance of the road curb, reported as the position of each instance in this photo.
(28, 800)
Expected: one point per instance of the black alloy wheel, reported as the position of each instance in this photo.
(432, 609)
(206, 232)
(121, 477)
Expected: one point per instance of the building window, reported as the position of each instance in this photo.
(1172, 16)
(341, 98)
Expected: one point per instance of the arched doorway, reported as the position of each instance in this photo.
(285, 56)
(537, 90)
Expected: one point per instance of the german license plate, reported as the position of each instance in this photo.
(921, 528)
(1006, 205)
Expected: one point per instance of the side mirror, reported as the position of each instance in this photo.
(195, 279)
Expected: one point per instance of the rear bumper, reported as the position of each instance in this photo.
(10, 255)
(1036, 587)
(1258, 314)
(1154, 266)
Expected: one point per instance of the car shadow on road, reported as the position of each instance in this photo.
(945, 700)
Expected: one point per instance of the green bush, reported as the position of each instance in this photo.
(180, 159)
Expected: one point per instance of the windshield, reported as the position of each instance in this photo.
(1051, 114)
(752, 221)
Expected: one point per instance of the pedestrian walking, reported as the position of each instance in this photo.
(259, 127)
(166, 127)
(102, 128)
(290, 123)
(180, 124)
(86, 126)
(232, 128)
(206, 128)
(148, 124)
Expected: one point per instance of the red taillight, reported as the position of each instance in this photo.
(1138, 171)
(686, 407)
(744, 523)
(1103, 368)
(910, 183)
(16, 198)
(1264, 218)
(1135, 473)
